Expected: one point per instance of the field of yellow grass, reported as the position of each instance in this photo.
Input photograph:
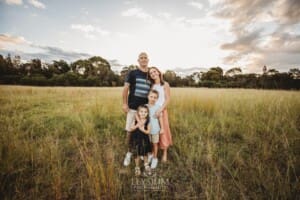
(69, 143)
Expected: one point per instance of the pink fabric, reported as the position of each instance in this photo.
(165, 139)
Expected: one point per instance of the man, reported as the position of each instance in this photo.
(135, 92)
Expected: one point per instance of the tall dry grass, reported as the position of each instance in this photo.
(69, 143)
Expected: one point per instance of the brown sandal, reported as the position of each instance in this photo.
(137, 171)
(147, 170)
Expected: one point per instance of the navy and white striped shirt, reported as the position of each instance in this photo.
(139, 88)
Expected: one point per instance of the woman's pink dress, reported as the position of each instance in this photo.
(165, 139)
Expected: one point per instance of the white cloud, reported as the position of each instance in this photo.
(196, 4)
(165, 15)
(11, 43)
(196, 36)
(90, 36)
(18, 45)
(287, 11)
(82, 27)
(37, 4)
(262, 32)
(90, 31)
(215, 2)
(122, 35)
(14, 2)
(137, 12)
(128, 2)
(6, 40)
(84, 11)
(33, 15)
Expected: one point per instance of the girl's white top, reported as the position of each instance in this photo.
(161, 97)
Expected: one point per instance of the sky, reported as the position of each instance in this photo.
(177, 34)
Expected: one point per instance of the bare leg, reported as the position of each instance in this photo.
(154, 152)
(137, 161)
(165, 154)
(127, 158)
(128, 139)
(155, 149)
(147, 167)
(137, 169)
(145, 159)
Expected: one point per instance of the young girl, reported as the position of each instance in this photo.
(163, 88)
(139, 141)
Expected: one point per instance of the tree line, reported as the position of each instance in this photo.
(96, 71)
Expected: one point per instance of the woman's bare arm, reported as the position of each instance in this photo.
(167, 99)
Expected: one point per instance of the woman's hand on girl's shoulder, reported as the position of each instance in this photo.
(158, 113)
(161, 131)
(166, 85)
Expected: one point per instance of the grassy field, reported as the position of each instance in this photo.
(69, 143)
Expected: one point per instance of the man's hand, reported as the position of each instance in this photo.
(140, 125)
(137, 118)
(125, 108)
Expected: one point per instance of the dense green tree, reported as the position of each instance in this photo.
(124, 72)
(213, 74)
(96, 71)
(3, 66)
(294, 73)
(94, 68)
(80, 67)
(233, 71)
(272, 72)
(170, 77)
(36, 66)
(8, 60)
(60, 67)
(16, 61)
(8, 67)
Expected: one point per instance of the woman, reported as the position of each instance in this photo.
(163, 87)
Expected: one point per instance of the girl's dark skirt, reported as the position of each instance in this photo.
(140, 143)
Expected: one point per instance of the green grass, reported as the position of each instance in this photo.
(69, 143)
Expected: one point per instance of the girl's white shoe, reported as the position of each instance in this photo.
(127, 159)
(154, 163)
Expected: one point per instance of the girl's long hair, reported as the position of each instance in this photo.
(148, 116)
(160, 76)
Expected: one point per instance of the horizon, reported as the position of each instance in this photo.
(175, 34)
(182, 72)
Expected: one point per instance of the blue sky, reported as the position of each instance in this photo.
(177, 34)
